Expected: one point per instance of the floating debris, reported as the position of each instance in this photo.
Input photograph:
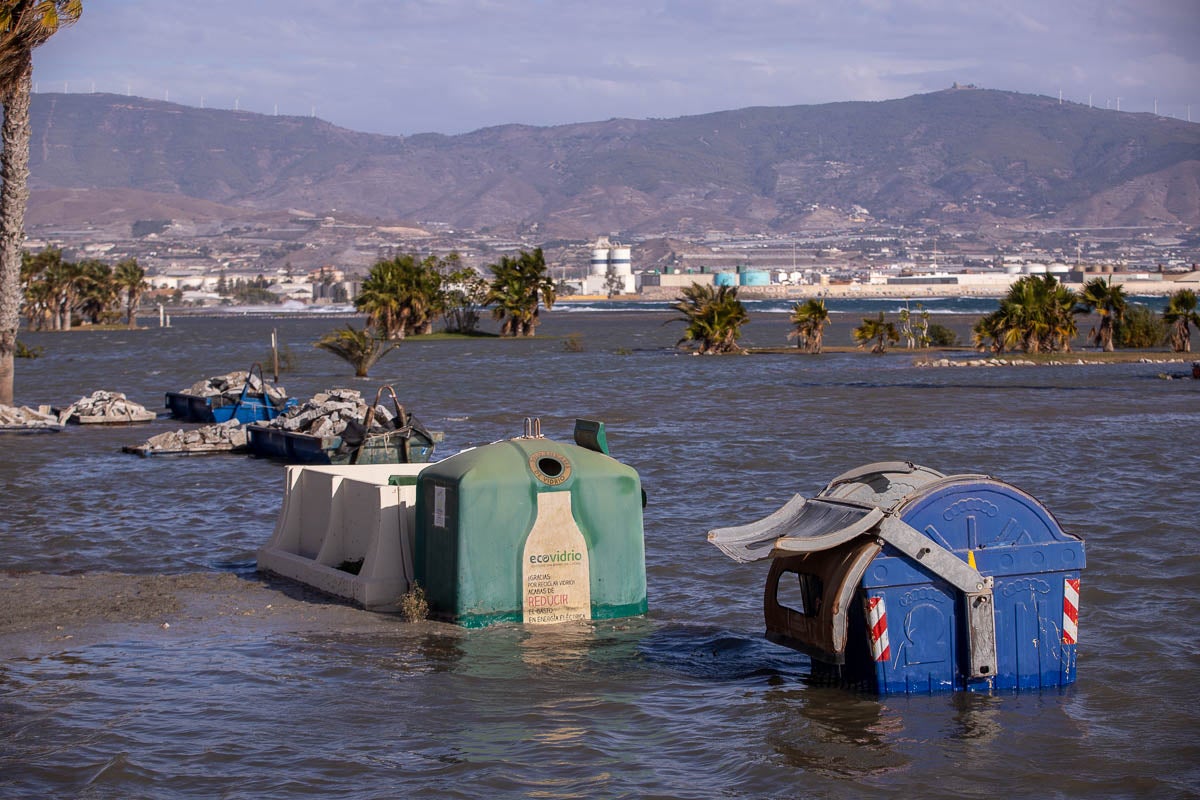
(1171, 376)
(23, 419)
(104, 408)
(226, 437)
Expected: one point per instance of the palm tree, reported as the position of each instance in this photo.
(1027, 310)
(39, 304)
(361, 348)
(24, 24)
(879, 331)
(714, 317)
(380, 297)
(63, 281)
(131, 279)
(988, 333)
(505, 296)
(1181, 314)
(808, 324)
(1108, 301)
(1037, 313)
(98, 292)
(423, 298)
(1061, 305)
(518, 287)
(403, 295)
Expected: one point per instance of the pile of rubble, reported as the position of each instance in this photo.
(328, 413)
(105, 407)
(224, 438)
(23, 417)
(230, 387)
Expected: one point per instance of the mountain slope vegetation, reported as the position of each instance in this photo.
(951, 156)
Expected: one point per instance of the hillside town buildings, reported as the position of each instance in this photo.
(321, 261)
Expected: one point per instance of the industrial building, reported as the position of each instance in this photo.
(611, 270)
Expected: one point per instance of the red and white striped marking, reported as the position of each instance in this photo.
(881, 650)
(1070, 610)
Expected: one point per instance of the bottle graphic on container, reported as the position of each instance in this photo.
(556, 578)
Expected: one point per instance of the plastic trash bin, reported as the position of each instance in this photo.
(896, 578)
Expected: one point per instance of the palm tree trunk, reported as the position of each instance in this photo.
(14, 173)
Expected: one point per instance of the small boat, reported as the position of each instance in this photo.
(250, 406)
(408, 442)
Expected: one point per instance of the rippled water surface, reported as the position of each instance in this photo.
(689, 701)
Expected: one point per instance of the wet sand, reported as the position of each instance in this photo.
(42, 613)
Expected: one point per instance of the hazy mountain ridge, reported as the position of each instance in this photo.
(957, 155)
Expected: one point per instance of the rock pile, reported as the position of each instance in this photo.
(224, 437)
(1025, 362)
(982, 362)
(330, 412)
(102, 406)
(25, 417)
(230, 387)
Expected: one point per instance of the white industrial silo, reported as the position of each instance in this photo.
(1035, 269)
(1012, 269)
(1058, 270)
(600, 261)
(620, 260)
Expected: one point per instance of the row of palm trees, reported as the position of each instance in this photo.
(56, 291)
(714, 317)
(1038, 314)
(404, 295)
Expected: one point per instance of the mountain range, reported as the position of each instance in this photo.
(960, 156)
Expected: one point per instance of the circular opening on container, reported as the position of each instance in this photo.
(549, 467)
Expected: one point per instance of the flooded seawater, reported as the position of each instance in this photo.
(688, 702)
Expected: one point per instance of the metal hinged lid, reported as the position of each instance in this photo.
(828, 541)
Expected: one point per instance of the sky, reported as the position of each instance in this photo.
(452, 66)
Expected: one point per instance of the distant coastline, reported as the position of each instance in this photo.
(866, 292)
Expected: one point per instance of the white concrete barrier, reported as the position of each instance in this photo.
(336, 519)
